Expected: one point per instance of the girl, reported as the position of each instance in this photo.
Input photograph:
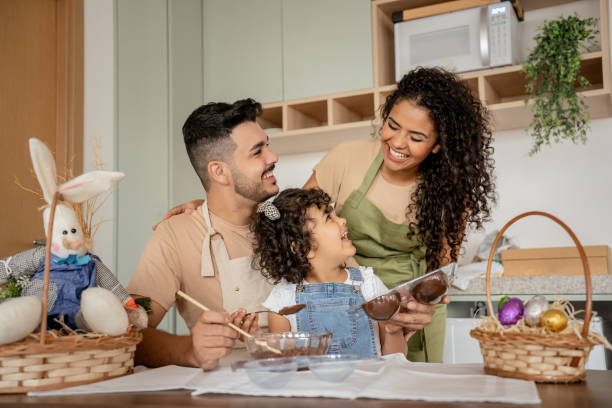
(302, 246)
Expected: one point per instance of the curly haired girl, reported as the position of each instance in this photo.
(409, 195)
(302, 245)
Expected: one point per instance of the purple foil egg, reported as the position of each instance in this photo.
(511, 311)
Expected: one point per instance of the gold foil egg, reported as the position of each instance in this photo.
(554, 320)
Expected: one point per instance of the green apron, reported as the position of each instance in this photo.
(396, 255)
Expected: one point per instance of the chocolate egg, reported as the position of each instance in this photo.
(511, 311)
(554, 320)
(534, 308)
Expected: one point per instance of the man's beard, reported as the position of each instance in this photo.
(248, 189)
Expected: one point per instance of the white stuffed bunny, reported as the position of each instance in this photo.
(81, 289)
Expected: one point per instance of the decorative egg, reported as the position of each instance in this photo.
(502, 301)
(534, 308)
(511, 311)
(103, 312)
(554, 320)
(18, 318)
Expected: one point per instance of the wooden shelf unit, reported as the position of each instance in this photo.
(318, 123)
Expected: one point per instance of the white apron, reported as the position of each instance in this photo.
(241, 285)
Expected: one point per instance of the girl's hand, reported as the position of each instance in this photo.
(186, 208)
(249, 324)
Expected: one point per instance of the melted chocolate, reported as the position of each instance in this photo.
(383, 307)
(428, 290)
(288, 310)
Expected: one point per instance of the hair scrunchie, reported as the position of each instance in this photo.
(269, 210)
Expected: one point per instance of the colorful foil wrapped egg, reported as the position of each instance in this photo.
(534, 309)
(511, 311)
(554, 320)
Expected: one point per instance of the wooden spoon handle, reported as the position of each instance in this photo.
(233, 326)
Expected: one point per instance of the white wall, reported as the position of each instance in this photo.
(99, 112)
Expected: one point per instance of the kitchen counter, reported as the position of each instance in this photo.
(571, 287)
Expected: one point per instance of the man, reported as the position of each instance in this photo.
(205, 251)
(206, 254)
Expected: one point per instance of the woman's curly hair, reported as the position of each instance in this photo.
(281, 246)
(456, 184)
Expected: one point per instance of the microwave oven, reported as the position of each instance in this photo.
(465, 40)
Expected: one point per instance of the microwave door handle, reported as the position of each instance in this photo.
(484, 38)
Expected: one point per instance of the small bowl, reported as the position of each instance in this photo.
(270, 373)
(333, 367)
(288, 343)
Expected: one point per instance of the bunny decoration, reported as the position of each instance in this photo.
(80, 289)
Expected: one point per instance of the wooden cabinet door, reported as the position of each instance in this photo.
(41, 95)
(327, 47)
(242, 50)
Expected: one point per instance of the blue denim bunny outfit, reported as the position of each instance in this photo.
(327, 310)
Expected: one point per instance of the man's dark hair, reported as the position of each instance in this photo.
(206, 132)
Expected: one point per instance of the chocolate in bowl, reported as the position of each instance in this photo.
(429, 290)
(289, 344)
(383, 307)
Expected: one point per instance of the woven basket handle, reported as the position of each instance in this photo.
(45, 299)
(585, 265)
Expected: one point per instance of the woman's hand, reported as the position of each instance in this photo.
(186, 208)
(415, 316)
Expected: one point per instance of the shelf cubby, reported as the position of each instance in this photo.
(271, 117)
(303, 115)
(508, 84)
(353, 108)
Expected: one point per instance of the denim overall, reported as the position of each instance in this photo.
(327, 310)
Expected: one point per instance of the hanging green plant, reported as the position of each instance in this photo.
(552, 72)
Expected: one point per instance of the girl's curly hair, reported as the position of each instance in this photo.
(281, 246)
(457, 183)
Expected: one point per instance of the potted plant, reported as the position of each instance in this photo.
(552, 71)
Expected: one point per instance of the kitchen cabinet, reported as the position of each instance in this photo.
(313, 124)
(327, 47)
(242, 50)
(274, 50)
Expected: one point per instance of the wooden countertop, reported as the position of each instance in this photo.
(596, 393)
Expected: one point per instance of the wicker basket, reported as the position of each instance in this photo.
(540, 357)
(59, 362)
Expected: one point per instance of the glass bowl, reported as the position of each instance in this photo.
(333, 367)
(288, 343)
(270, 373)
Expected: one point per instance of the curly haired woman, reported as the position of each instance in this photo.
(408, 197)
(301, 245)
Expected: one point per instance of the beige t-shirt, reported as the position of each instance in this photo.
(171, 261)
(343, 169)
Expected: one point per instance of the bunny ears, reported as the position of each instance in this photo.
(77, 190)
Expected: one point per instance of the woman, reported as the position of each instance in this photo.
(408, 196)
